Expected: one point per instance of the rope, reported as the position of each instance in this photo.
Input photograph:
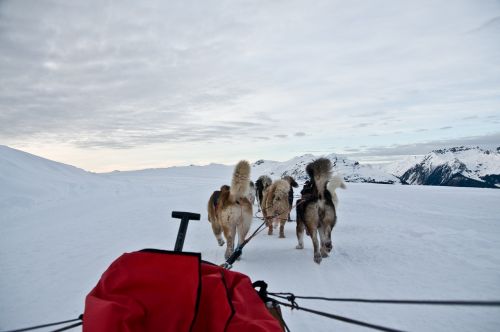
(68, 327)
(337, 317)
(80, 318)
(228, 264)
(291, 296)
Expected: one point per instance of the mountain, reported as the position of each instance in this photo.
(27, 179)
(458, 166)
(351, 170)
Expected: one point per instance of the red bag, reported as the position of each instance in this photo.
(153, 290)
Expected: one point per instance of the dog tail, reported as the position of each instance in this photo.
(320, 171)
(334, 183)
(241, 180)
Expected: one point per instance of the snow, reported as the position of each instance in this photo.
(478, 162)
(351, 170)
(62, 227)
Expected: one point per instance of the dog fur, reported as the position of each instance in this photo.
(293, 184)
(316, 210)
(234, 211)
(261, 185)
(276, 206)
(251, 193)
(212, 215)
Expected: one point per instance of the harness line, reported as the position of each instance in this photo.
(80, 319)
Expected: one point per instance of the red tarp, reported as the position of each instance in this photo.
(153, 290)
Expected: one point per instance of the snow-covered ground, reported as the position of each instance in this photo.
(59, 233)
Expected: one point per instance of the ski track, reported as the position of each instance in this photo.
(401, 242)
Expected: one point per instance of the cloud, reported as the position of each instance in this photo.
(133, 74)
(490, 141)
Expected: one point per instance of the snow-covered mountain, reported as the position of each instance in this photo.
(351, 170)
(459, 166)
(26, 179)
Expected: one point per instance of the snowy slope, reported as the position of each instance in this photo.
(352, 171)
(390, 242)
(27, 180)
(461, 166)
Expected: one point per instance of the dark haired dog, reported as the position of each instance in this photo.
(316, 210)
(261, 185)
(251, 193)
(293, 184)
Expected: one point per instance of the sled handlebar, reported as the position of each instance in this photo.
(188, 215)
(181, 235)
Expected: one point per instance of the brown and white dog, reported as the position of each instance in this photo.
(316, 210)
(233, 211)
(277, 204)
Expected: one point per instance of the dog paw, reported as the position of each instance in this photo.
(221, 242)
(317, 258)
(282, 236)
(270, 232)
(324, 254)
(299, 246)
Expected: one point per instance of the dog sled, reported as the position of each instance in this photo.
(158, 290)
(155, 290)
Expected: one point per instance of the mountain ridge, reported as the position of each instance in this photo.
(458, 166)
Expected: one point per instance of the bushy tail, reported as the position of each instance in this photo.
(241, 180)
(320, 171)
(334, 183)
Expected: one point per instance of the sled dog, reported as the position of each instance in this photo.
(251, 193)
(276, 207)
(233, 211)
(316, 210)
(293, 184)
(261, 185)
(212, 215)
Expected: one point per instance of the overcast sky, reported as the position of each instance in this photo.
(107, 85)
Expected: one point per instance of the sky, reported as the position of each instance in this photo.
(121, 85)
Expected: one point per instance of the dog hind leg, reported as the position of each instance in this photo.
(270, 223)
(300, 234)
(314, 237)
(323, 242)
(229, 233)
(282, 219)
(244, 227)
(217, 229)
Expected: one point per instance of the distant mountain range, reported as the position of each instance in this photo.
(459, 166)
(351, 170)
